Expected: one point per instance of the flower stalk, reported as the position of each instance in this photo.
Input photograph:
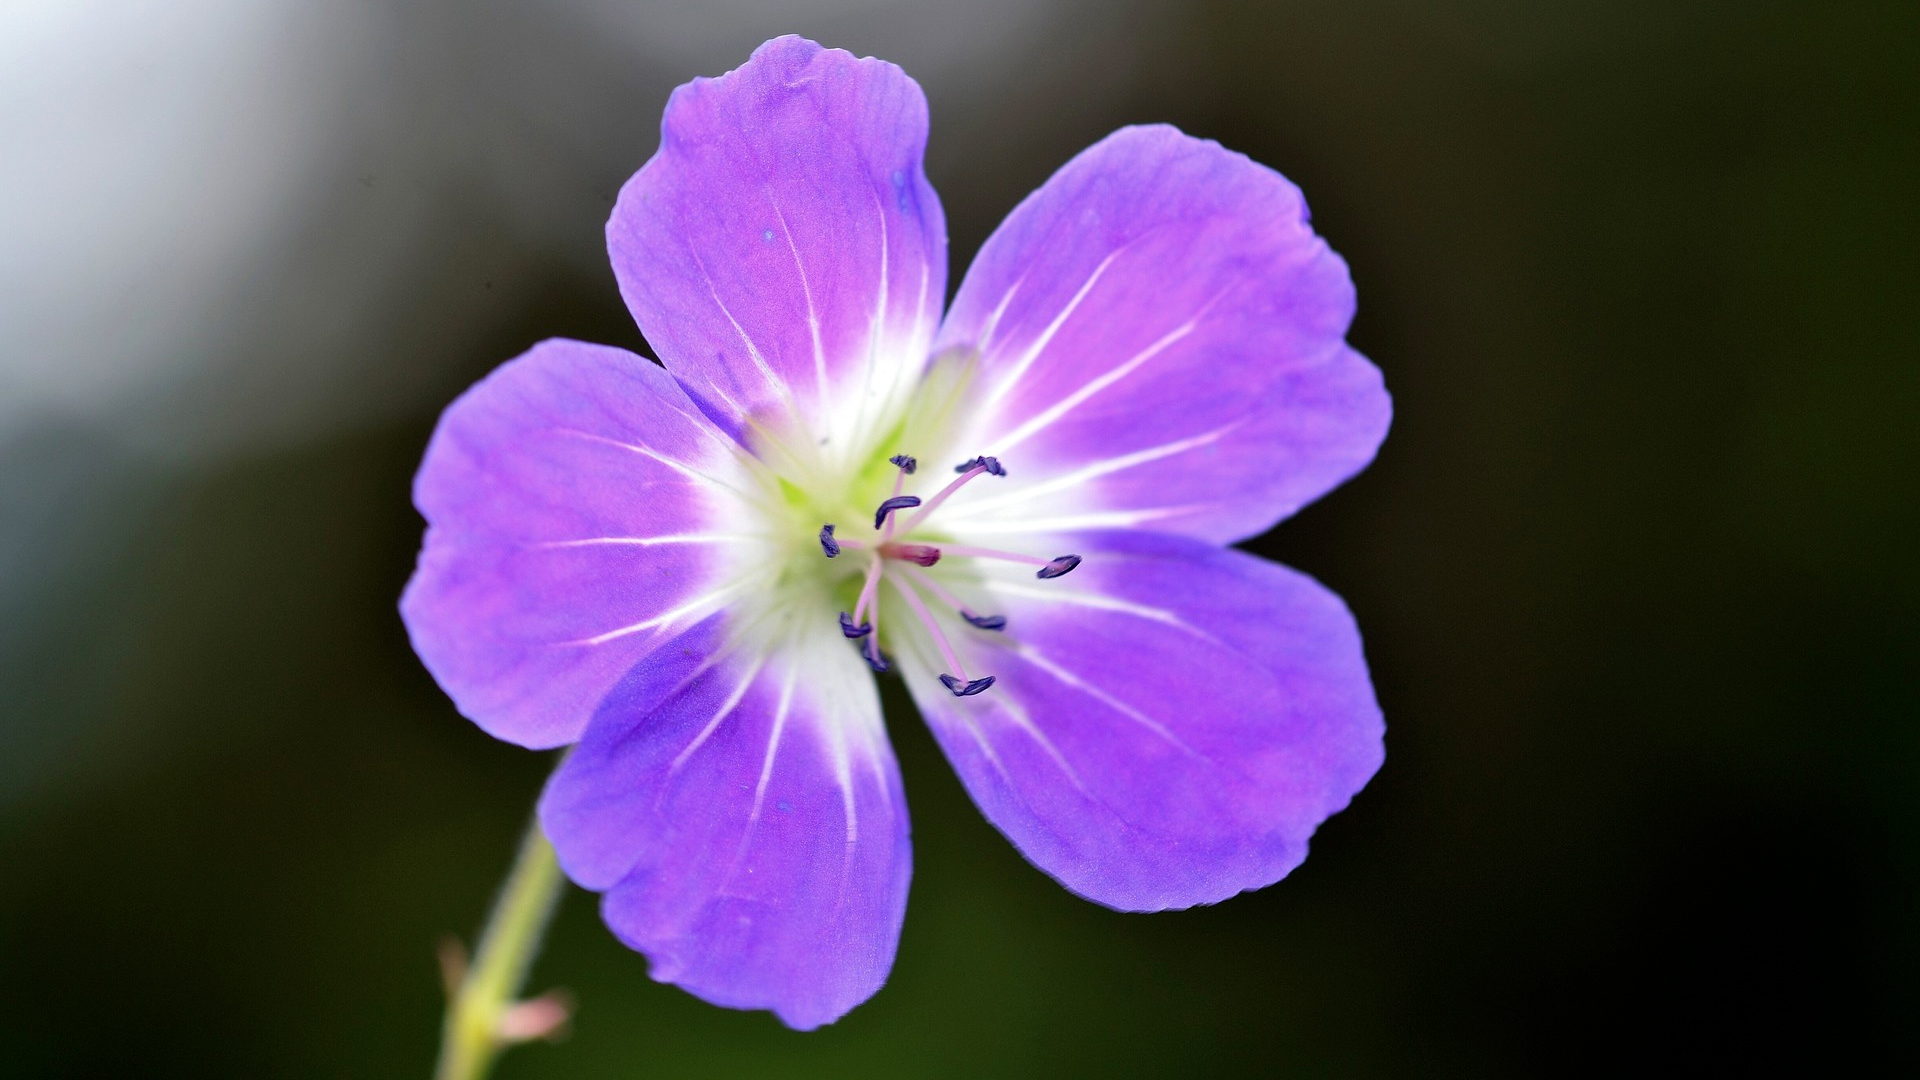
(483, 1015)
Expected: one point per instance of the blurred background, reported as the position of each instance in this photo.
(1636, 565)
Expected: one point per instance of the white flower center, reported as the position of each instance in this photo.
(848, 539)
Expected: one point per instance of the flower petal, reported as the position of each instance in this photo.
(742, 811)
(783, 251)
(580, 510)
(1168, 725)
(1161, 344)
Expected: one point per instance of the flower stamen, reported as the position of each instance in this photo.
(991, 464)
(869, 591)
(907, 464)
(1058, 567)
(961, 689)
(952, 682)
(862, 624)
(1049, 568)
(869, 601)
(967, 472)
(984, 622)
(898, 502)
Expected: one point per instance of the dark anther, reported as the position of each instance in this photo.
(968, 689)
(991, 464)
(986, 622)
(906, 462)
(827, 543)
(898, 502)
(852, 631)
(1057, 567)
(879, 661)
(924, 554)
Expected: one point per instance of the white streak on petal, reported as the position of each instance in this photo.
(760, 364)
(648, 541)
(1095, 470)
(1015, 712)
(675, 464)
(1109, 519)
(726, 709)
(1095, 600)
(1012, 378)
(1045, 419)
(806, 290)
(700, 603)
(922, 333)
(1034, 657)
(773, 750)
(876, 328)
(986, 749)
(1000, 309)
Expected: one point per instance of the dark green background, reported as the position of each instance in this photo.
(1636, 569)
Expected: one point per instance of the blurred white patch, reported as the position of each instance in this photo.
(236, 222)
(152, 150)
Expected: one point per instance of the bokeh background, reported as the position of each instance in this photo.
(1636, 566)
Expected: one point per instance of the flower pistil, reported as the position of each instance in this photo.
(894, 545)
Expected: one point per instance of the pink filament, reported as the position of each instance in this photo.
(932, 504)
(868, 590)
(939, 593)
(899, 482)
(991, 553)
(926, 619)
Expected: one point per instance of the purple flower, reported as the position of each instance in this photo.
(688, 570)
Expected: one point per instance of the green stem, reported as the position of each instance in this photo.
(471, 1040)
